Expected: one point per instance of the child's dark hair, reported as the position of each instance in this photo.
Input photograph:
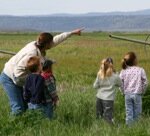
(129, 60)
(47, 65)
(33, 64)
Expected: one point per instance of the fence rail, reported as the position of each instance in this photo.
(7, 52)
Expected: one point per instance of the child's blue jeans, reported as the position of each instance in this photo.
(47, 109)
(133, 104)
(15, 94)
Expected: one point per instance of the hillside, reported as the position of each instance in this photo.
(113, 21)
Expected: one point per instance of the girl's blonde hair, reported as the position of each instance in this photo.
(129, 59)
(106, 68)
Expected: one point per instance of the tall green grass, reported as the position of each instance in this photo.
(78, 61)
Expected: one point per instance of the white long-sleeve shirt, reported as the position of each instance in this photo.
(106, 87)
(15, 68)
(134, 80)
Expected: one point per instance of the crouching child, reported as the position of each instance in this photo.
(34, 86)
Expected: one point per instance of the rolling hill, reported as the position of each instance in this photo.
(110, 21)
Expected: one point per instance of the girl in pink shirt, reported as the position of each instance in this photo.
(134, 83)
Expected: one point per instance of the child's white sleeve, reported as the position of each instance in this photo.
(118, 80)
(96, 84)
(122, 83)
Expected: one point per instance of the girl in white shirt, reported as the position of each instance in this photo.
(134, 83)
(105, 84)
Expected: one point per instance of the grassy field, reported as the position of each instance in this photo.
(78, 61)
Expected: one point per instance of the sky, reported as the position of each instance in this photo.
(47, 7)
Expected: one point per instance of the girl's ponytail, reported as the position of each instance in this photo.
(124, 65)
(106, 68)
(129, 60)
(102, 72)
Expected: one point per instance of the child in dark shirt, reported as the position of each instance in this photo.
(34, 85)
(50, 88)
